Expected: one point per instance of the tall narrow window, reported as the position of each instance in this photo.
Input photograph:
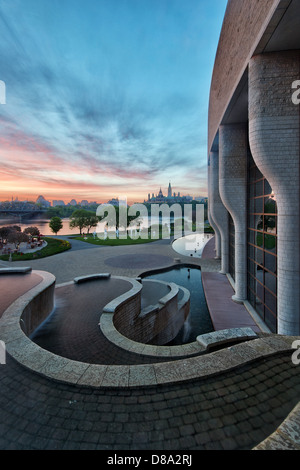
(231, 248)
(262, 246)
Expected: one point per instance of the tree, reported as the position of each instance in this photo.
(55, 224)
(17, 237)
(33, 231)
(16, 227)
(4, 233)
(82, 218)
(91, 221)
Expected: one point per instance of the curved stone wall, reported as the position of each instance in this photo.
(53, 367)
(244, 24)
(158, 323)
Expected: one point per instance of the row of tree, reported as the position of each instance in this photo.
(80, 218)
(14, 235)
(85, 220)
(67, 211)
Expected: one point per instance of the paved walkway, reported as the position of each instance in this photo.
(232, 410)
(84, 259)
(225, 313)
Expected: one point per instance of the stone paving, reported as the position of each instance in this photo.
(231, 410)
(90, 260)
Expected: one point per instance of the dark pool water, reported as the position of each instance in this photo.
(199, 321)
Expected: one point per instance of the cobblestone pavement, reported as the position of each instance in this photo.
(231, 411)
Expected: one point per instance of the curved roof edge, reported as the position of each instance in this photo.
(246, 25)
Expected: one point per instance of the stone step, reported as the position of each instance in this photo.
(217, 338)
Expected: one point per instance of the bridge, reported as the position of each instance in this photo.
(20, 209)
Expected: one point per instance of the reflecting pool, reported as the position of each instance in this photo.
(199, 321)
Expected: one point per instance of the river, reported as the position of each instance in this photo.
(41, 224)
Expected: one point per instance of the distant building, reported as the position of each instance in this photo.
(58, 203)
(114, 202)
(73, 202)
(171, 198)
(43, 202)
(201, 199)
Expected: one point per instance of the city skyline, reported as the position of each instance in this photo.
(105, 98)
(72, 201)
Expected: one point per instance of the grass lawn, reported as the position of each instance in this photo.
(53, 247)
(111, 242)
(118, 241)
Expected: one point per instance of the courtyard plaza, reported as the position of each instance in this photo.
(231, 410)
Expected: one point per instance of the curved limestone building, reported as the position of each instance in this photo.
(253, 157)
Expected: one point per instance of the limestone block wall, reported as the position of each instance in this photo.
(233, 148)
(126, 314)
(39, 306)
(218, 211)
(167, 321)
(210, 217)
(274, 142)
(158, 324)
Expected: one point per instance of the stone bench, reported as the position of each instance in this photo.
(217, 338)
(19, 270)
(90, 277)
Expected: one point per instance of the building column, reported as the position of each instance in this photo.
(219, 212)
(210, 218)
(233, 149)
(274, 142)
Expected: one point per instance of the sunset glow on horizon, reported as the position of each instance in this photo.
(105, 98)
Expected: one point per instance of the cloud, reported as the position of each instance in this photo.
(93, 112)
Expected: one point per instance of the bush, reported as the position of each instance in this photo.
(53, 247)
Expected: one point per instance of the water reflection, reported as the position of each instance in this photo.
(41, 224)
(198, 321)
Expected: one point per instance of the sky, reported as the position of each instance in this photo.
(105, 98)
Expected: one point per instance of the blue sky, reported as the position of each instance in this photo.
(105, 97)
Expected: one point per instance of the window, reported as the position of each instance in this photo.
(231, 248)
(262, 246)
